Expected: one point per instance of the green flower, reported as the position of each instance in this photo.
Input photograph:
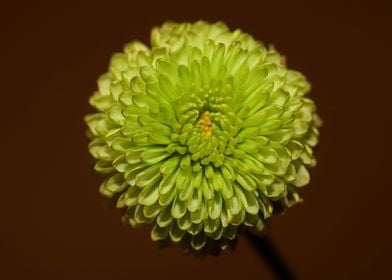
(205, 134)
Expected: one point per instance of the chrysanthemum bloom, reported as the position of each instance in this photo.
(204, 134)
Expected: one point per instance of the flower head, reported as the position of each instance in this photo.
(204, 134)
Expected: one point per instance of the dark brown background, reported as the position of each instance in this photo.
(53, 221)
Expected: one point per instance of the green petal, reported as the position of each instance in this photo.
(195, 201)
(113, 185)
(249, 146)
(247, 199)
(206, 189)
(154, 155)
(225, 215)
(104, 84)
(303, 177)
(227, 190)
(167, 183)
(252, 205)
(185, 221)
(230, 232)
(251, 220)
(132, 171)
(295, 148)
(217, 234)
(131, 197)
(101, 102)
(234, 204)
(215, 206)
(149, 195)
(195, 229)
(114, 113)
(165, 218)
(175, 232)
(178, 208)
(121, 144)
(300, 127)
(211, 225)
(199, 215)
(100, 150)
(238, 218)
(167, 198)
(246, 182)
(140, 217)
(186, 193)
(148, 176)
(279, 97)
(170, 165)
(183, 179)
(276, 189)
(267, 155)
(263, 179)
(198, 241)
(134, 156)
(159, 233)
(280, 136)
(103, 166)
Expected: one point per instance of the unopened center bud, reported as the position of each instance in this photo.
(206, 123)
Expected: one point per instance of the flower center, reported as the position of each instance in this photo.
(205, 123)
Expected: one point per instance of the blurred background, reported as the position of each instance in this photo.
(53, 222)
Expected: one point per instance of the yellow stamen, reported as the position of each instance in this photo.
(206, 123)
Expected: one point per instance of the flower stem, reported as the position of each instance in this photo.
(267, 250)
